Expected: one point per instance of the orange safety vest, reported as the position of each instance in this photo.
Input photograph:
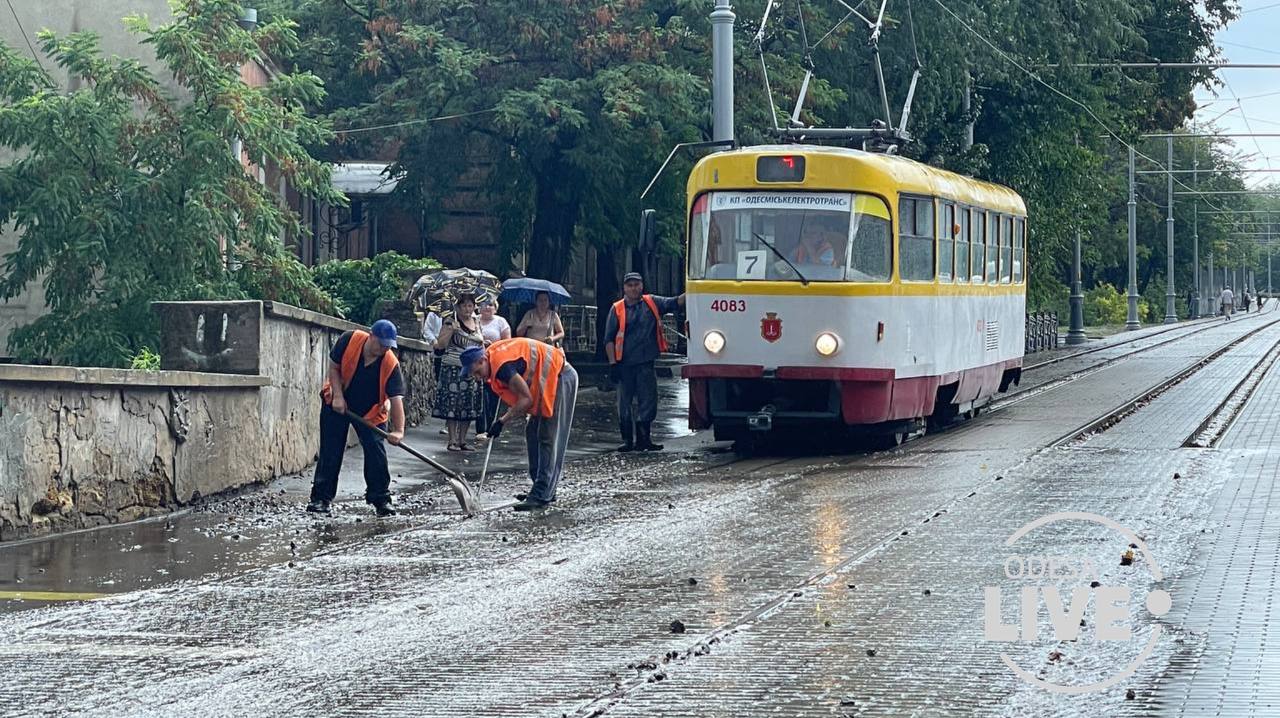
(543, 363)
(620, 311)
(351, 359)
(802, 253)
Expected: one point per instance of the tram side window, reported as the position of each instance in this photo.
(993, 235)
(1006, 250)
(1019, 248)
(946, 242)
(871, 254)
(915, 238)
(978, 248)
(962, 245)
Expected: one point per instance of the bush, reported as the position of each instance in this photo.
(1151, 306)
(1104, 304)
(1050, 296)
(358, 285)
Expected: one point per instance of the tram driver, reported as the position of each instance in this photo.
(818, 244)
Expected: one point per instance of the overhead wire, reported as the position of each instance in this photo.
(406, 123)
(1245, 117)
(34, 55)
(1260, 9)
(1088, 110)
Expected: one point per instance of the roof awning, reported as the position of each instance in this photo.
(363, 178)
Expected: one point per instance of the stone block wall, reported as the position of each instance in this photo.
(237, 403)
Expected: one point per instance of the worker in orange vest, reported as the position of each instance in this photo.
(533, 379)
(635, 339)
(364, 376)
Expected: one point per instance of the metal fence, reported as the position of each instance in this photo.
(580, 329)
(1042, 331)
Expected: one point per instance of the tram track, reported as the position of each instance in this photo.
(1125, 409)
(655, 668)
(1224, 415)
(1022, 395)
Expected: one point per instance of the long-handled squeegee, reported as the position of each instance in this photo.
(461, 489)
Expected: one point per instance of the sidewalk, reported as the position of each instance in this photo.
(266, 525)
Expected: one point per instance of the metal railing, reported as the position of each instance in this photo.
(579, 327)
(1042, 332)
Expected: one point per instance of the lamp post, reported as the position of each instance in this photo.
(1075, 333)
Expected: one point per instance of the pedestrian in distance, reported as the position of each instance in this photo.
(634, 329)
(535, 380)
(1226, 302)
(459, 400)
(542, 322)
(364, 377)
(495, 328)
(1259, 302)
(1244, 300)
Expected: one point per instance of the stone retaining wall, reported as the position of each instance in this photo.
(236, 403)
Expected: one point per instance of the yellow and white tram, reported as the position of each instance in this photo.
(833, 286)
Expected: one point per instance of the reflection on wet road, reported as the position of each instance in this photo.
(698, 583)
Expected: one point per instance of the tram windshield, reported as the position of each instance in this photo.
(790, 236)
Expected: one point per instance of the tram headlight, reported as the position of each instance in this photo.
(827, 344)
(713, 342)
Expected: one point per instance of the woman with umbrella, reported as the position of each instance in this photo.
(459, 399)
(542, 322)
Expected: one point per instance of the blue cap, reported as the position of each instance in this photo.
(469, 357)
(385, 331)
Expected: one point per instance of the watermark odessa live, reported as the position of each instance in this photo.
(1035, 581)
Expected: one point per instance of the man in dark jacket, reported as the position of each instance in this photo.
(365, 378)
(635, 339)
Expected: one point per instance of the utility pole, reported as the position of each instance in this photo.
(1131, 322)
(1193, 307)
(1170, 310)
(722, 19)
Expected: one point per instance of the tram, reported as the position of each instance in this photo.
(832, 287)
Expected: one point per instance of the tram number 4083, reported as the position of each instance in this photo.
(729, 305)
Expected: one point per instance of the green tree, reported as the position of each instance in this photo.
(122, 195)
(579, 101)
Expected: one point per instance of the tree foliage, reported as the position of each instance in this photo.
(359, 286)
(122, 194)
(578, 102)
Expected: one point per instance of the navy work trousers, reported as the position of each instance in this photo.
(333, 446)
(638, 384)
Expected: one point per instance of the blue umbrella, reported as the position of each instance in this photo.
(524, 290)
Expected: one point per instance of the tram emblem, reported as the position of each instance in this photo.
(771, 327)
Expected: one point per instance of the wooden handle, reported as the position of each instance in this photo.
(423, 457)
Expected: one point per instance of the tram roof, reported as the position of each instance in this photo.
(907, 176)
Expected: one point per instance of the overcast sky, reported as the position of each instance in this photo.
(1251, 38)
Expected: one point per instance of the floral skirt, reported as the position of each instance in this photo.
(457, 399)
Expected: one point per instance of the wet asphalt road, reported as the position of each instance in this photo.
(696, 583)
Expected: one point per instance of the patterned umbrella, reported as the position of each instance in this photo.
(437, 291)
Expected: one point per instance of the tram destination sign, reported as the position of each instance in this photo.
(780, 168)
